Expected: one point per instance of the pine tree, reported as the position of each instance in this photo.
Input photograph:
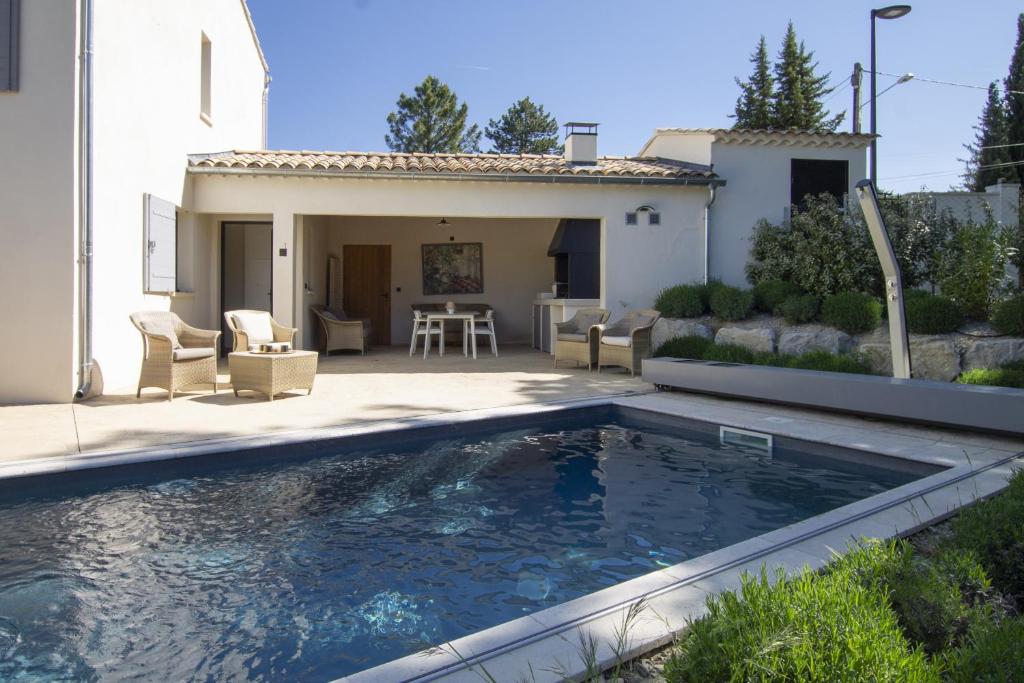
(431, 120)
(989, 146)
(1014, 87)
(754, 105)
(524, 129)
(797, 102)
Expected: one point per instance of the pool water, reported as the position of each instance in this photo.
(313, 567)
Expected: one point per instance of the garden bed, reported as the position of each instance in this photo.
(943, 605)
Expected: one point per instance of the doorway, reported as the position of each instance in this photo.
(366, 287)
(246, 270)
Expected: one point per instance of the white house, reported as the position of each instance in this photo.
(180, 224)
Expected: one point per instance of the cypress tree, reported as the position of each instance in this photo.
(1014, 86)
(754, 105)
(797, 102)
(431, 120)
(989, 146)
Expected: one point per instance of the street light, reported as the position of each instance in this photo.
(890, 12)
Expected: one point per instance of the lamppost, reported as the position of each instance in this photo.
(890, 12)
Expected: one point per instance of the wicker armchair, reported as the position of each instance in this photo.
(573, 338)
(341, 332)
(174, 355)
(627, 341)
(241, 338)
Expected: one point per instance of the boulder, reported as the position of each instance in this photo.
(754, 338)
(669, 328)
(934, 358)
(991, 353)
(931, 357)
(798, 340)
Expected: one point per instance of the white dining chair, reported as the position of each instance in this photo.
(421, 327)
(485, 325)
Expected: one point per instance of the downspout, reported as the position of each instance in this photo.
(86, 209)
(712, 195)
(266, 97)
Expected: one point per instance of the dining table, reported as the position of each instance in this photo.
(468, 338)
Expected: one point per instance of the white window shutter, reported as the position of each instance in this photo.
(160, 237)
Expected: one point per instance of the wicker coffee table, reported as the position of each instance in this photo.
(272, 373)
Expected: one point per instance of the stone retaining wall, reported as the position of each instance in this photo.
(940, 357)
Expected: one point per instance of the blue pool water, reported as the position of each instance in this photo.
(310, 566)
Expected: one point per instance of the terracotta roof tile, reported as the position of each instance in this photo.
(454, 165)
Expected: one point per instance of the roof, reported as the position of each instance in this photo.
(508, 167)
(255, 37)
(803, 138)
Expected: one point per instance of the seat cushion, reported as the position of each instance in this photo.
(584, 321)
(193, 354)
(164, 328)
(572, 337)
(256, 326)
(616, 341)
(337, 313)
(329, 314)
(640, 321)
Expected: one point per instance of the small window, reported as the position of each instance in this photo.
(654, 218)
(631, 218)
(206, 77)
(10, 27)
(818, 176)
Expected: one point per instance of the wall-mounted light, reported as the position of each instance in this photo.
(443, 223)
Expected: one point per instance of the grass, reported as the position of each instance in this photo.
(884, 611)
(1008, 375)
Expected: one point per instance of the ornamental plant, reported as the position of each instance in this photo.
(851, 312)
(930, 314)
(1009, 316)
(682, 301)
(731, 303)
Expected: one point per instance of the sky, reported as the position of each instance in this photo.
(338, 66)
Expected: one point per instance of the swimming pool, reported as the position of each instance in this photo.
(314, 563)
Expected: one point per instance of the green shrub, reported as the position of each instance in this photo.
(973, 269)
(994, 651)
(811, 627)
(682, 301)
(1009, 316)
(731, 303)
(777, 360)
(769, 294)
(802, 308)
(994, 531)
(693, 346)
(851, 312)
(931, 314)
(823, 360)
(1005, 376)
(729, 353)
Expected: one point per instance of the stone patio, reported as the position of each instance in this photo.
(384, 384)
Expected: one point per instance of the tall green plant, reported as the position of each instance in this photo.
(431, 120)
(754, 105)
(800, 90)
(524, 129)
(973, 269)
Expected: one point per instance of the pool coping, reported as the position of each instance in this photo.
(545, 646)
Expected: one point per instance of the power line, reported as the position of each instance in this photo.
(958, 85)
(954, 172)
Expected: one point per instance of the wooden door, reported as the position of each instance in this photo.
(258, 269)
(366, 287)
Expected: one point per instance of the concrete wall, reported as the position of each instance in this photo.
(758, 187)
(147, 80)
(1003, 200)
(637, 261)
(38, 209)
(515, 264)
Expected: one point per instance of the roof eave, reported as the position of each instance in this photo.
(483, 177)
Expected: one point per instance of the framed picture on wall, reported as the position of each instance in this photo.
(453, 268)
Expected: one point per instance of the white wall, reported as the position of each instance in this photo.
(1003, 200)
(515, 264)
(758, 186)
(147, 93)
(637, 261)
(38, 216)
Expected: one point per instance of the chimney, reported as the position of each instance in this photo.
(581, 143)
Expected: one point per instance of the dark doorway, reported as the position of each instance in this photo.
(818, 176)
